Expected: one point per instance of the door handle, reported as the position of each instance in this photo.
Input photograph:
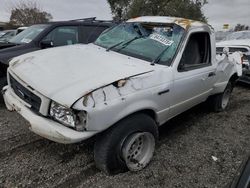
(164, 91)
(211, 74)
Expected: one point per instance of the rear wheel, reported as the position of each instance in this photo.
(128, 145)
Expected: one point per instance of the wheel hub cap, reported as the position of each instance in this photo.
(138, 150)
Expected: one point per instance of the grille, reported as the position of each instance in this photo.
(25, 95)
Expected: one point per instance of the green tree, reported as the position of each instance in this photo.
(125, 9)
(28, 13)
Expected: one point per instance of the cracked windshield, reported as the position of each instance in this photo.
(144, 41)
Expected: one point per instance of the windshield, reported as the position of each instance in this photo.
(28, 35)
(239, 35)
(145, 41)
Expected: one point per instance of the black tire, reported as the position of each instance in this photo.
(107, 150)
(216, 102)
(3, 82)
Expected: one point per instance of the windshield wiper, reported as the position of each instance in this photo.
(158, 58)
(113, 46)
(125, 43)
(131, 40)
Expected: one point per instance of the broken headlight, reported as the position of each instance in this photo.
(68, 116)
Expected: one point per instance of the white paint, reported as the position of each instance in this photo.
(81, 77)
(234, 43)
(42, 126)
(74, 71)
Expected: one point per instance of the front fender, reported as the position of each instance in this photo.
(102, 116)
(111, 103)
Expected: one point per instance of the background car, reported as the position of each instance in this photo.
(20, 29)
(2, 33)
(6, 35)
(238, 41)
(49, 35)
(221, 35)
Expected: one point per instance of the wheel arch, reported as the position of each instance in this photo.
(234, 78)
(151, 113)
(147, 111)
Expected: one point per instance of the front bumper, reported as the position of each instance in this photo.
(41, 125)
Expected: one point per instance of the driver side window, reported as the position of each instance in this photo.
(62, 36)
(197, 53)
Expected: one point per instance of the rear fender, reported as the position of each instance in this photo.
(229, 67)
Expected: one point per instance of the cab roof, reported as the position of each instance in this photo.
(183, 22)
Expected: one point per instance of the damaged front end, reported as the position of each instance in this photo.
(76, 117)
(106, 105)
(68, 117)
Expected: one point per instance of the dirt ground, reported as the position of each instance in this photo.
(183, 157)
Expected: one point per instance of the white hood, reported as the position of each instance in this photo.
(66, 74)
(245, 42)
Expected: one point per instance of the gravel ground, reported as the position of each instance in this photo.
(183, 156)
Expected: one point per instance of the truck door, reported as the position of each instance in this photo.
(195, 75)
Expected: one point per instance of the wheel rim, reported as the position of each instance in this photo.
(138, 150)
(225, 98)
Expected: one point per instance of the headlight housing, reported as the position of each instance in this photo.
(68, 116)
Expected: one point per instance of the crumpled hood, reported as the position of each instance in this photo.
(245, 42)
(65, 74)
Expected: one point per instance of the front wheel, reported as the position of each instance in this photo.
(128, 145)
(220, 101)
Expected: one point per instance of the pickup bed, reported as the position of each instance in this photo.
(238, 41)
(134, 78)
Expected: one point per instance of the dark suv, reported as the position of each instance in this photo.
(49, 35)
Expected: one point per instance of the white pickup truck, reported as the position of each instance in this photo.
(134, 78)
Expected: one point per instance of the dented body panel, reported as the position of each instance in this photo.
(109, 86)
(243, 46)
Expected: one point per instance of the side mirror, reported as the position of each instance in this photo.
(46, 44)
